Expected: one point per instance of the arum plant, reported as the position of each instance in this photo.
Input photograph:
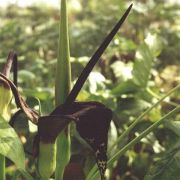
(92, 119)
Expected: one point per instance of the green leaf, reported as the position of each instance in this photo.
(125, 88)
(154, 42)
(25, 75)
(10, 145)
(142, 66)
(64, 144)
(25, 174)
(40, 93)
(63, 70)
(166, 168)
(62, 88)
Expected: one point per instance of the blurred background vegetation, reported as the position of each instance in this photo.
(140, 65)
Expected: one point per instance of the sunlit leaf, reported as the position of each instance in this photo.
(25, 76)
(142, 66)
(154, 42)
(121, 70)
(125, 88)
(41, 93)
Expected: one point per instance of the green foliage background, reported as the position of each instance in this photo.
(142, 62)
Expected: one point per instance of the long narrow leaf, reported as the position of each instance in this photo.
(63, 72)
(62, 88)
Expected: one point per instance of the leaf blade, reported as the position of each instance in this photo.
(142, 66)
(10, 145)
(62, 88)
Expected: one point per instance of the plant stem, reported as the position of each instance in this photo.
(136, 140)
(62, 88)
(2, 167)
